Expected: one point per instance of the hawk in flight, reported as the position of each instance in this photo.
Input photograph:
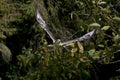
(44, 26)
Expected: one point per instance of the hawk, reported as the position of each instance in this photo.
(44, 26)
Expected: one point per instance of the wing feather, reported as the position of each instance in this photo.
(84, 37)
(43, 25)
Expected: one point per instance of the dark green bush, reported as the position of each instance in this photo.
(33, 59)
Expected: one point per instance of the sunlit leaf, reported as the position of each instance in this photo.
(80, 46)
(106, 10)
(95, 25)
(83, 59)
(100, 45)
(105, 28)
(102, 2)
(74, 50)
(71, 44)
(116, 18)
(117, 37)
(91, 52)
(2, 36)
(71, 15)
(113, 33)
(96, 55)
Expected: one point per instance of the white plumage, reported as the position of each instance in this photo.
(43, 25)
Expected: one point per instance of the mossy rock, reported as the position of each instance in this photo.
(5, 53)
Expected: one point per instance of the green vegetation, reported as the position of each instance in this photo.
(33, 59)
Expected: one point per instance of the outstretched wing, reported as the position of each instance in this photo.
(43, 25)
(84, 37)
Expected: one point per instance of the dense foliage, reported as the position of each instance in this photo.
(32, 58)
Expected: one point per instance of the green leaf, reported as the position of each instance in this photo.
(2, 36)
(116, 37)
(71, 45)
(116, 18)
(105, 28)
(91, 52)
(95, 25)
(102, 2)
(100, 45)
(96, 55)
